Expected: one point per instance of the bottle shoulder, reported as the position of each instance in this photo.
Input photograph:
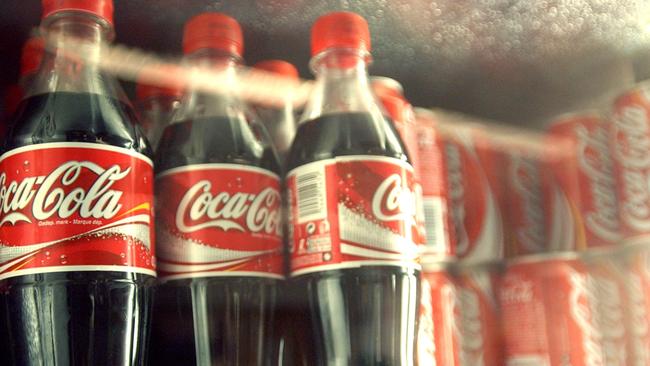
(75, 117)
(208, 140)
(341, 134)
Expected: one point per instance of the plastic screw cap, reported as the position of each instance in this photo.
(215, 31)
(341, 30)
(279, 67)
(31, 55)
(100, 8)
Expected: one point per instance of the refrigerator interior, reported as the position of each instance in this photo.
(519, 62)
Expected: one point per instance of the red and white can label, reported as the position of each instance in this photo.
(637, 287)
(477, 318)
(75, 207)
(548, 314)
(218, 220)
(608, 281)
(352, 211)
(474, 200)
(437, 332)
(630, 145)
(526, 219)
(433, 177)
(587, 134)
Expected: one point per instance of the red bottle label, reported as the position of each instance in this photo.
(219, 220)
(75, 207)
(352, 211)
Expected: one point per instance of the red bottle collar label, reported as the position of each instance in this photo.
(219, 220)
(75, 207)
(352, 211)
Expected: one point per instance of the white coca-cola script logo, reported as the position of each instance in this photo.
(640, 332)
(469, 328)
(393, 200)
(517, 292)
(457, 196)
(223, 209)
(603, 219)
(610, 319)
(526, 181)
(631, 126)
(426, 332)
(58, 194)
(580, 310)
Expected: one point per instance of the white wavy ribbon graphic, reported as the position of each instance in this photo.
(134, 226)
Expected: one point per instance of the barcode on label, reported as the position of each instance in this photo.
(311, 195)
(434, 224)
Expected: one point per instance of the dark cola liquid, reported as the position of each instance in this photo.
(75, 318)
(214, 320)
(359, 316)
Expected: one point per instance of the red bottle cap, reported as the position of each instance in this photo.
(340, 29)
(278, 67)
(31, 56)
(100, 8)
(215, 31)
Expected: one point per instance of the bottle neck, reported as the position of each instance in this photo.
(342, 84)
(197, 104)
(73, 44)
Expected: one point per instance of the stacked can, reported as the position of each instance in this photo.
(583, 298)
(437, 336)
(548, 312)
(525, 214)
(636, 276)
(630, 146)
(629, 143)
(586, 152)
(459, 315)
(475, 192)
(477, 314)
(433, 178)
(461, 181)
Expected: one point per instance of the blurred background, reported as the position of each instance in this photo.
(515, 61)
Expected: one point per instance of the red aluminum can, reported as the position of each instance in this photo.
(637, 286)
(433, 178)
(594, 182)
(437, 342)
(525, 202)
(474, 192)
(630, 145)
(548, 317)
(608, 280)
(478, 319)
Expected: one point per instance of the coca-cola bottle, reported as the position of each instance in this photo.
(76, 238)
(218, 210)
(350, 188)
(155, 105)
(279, 120)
